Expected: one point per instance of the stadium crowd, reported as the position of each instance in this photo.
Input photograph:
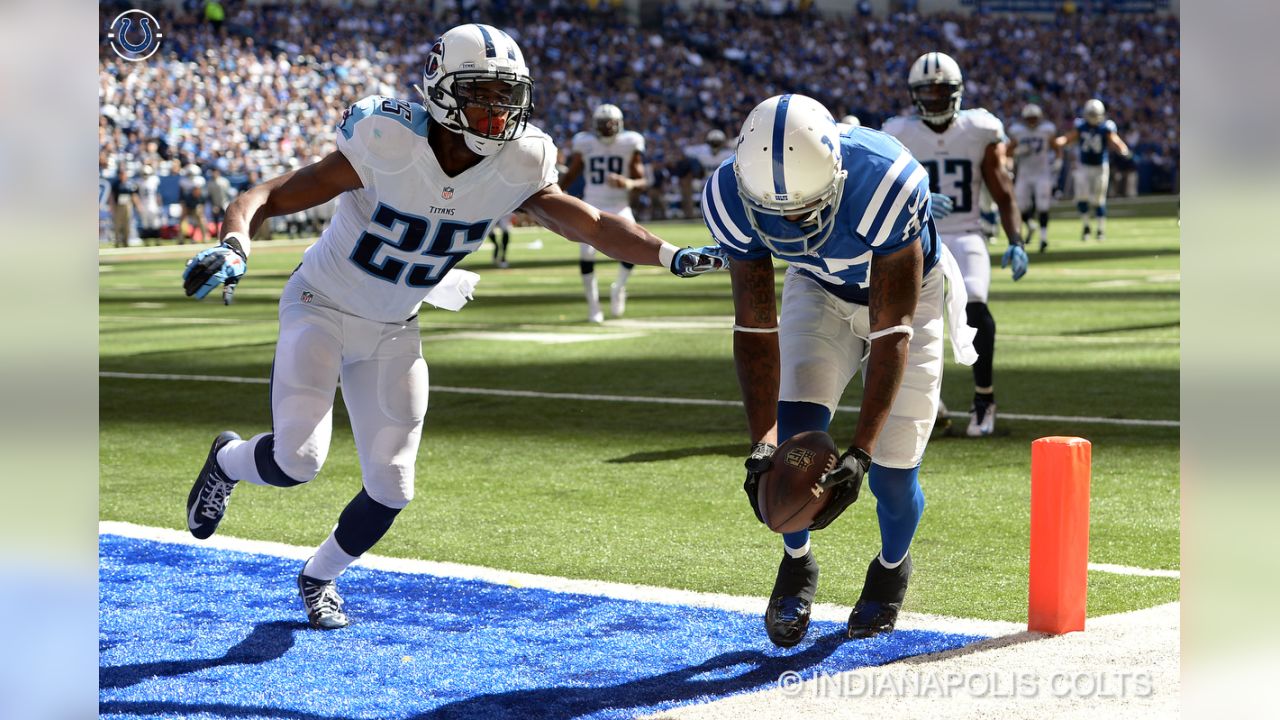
(257, 89)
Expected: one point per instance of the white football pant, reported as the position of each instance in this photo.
(823, 341)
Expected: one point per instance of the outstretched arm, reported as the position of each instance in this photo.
(1064, 140)
(616, 236)
(292, 192)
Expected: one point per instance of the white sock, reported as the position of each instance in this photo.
(592, 292)
(329, 561)
(797, 552)
(890, 565)
(1102, 224)
(1044, 234)
(624, 272)
(236, 460)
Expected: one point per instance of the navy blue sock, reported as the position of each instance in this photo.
(899, 505)
(793, 419)
(362, 524)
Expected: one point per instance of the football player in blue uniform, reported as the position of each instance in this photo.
(1096, 135)
(850, 210)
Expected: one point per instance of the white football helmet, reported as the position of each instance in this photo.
(790, 172)
(461, 70)
(936, 87)
(715, 138)
(851, 121)
(608, 122)
(1031, 113)
(1095, 112)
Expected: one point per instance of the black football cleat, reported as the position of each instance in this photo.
(207, 501)
(787, 618)
(882, 593)
(323, 603)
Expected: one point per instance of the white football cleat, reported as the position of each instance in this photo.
(982, 419)
(595, 316)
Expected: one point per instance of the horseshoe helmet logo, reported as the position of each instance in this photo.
(135, 35)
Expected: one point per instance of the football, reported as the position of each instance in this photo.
(789, 494)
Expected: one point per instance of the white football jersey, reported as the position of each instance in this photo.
(709, 159)
(601, 157)
(1034, 154)
(953, 159)
(391, 241)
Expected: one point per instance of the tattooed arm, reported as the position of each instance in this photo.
(895, 290)
(755, 354)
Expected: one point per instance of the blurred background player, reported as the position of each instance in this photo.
(500, 236)
(126, 203)
(192, 195)
(700, 161)
(963, 151)
(1031, 144)
(152, 213)
(1096, 135)
(611, 162)
(849, 210)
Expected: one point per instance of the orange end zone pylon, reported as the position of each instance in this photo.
(1059, 534)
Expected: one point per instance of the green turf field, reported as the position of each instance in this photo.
(650, 493)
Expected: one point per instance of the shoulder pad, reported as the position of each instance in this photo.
(530, 160)
(895, 125)
(581, 140)
(380, 132)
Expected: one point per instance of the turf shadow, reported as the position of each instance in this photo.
(267, 642)
(731, 450)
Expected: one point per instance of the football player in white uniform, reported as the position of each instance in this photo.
(700, 161)
(1096, 135)
(418, 187)
(613, 159)
(1031, 144)
(963, 151)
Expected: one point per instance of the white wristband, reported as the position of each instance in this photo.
(667, 253)
(242, 238)
(892, 331)
(745, 329)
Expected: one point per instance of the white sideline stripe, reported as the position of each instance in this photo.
(599, 588)
(642, 399)
(541, 338)
(1140, 572)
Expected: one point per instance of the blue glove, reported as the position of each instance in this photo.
(1017, 257)
(211, 268)
(942, 205)
(689, 262)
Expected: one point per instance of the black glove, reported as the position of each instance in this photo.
(757, 464)
(843, 483)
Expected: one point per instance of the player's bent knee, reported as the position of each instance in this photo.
(284, 469)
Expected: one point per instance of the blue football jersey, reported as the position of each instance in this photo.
(1093, 141)
(885, 207)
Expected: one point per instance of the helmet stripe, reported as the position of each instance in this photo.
(489, 50)
(511, 44)
(779, 129)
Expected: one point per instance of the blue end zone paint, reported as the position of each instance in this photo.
(191, 632)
